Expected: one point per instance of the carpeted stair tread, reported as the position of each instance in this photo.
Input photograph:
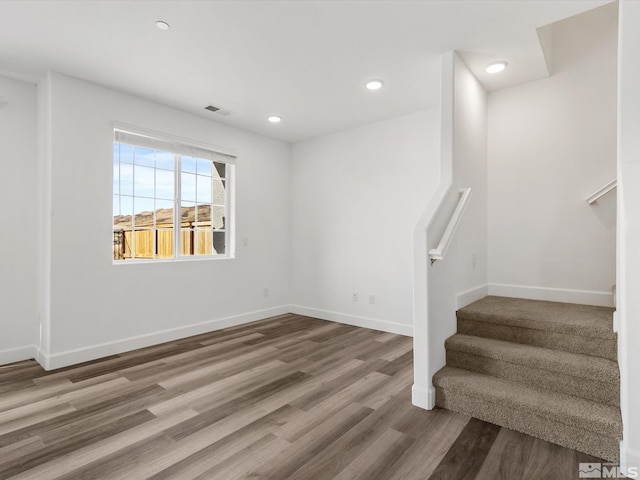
(581, 320)
(560, 408)
(575, 438)
(583, 366)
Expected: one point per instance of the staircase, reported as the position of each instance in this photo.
(542, 368)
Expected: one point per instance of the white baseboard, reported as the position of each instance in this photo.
(40, 357)
(92, 352)
(585, 297)
(18, 354)
(423, 397)
(469, 296)
(365, 322)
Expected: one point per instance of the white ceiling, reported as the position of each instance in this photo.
(304, 60)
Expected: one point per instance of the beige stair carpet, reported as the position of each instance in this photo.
(543, 368)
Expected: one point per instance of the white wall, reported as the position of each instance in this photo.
(628, 302)
(97, 308)
(552, 142)
(459, 273)
(357, 196)
(18, 155)
(470, 170)
(461, 277)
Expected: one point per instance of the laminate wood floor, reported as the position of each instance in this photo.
(288, 398)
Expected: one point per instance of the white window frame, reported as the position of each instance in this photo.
(179, 147)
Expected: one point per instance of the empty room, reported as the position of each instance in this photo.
(317, 240)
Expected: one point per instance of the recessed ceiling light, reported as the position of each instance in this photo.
(374, 84)
(496, 67)
(275, 118)
(162, 25)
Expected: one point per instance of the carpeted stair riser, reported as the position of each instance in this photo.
(585, 441)
(569, 421)
(597, 391)
(584, 366)
(584, 376)
(599, 347)
(560, 408)
(570, 319)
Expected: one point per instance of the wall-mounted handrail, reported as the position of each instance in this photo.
(440, 251)
(595, 196)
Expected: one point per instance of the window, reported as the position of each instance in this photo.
(170, 200)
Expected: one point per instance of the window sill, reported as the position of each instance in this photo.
(201, 258)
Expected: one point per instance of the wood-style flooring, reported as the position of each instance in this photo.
(288, 398)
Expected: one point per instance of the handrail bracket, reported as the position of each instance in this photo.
(440, 251)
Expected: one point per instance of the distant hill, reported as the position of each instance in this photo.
(164, 217)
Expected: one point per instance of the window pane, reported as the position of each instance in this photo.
(219, 242)
(143, 208)
(122, 216)
(164, 243)
(164, 184)
(143, 182)
(116, 177)
(204, 189)
(126, 179)
(187, 214)
(204, 215)
(165, 160)
(123, 152)
(218, 218)
(116, 206)
(118, 244)
(143, 243)
(187, 241)
(219, 197)
(128, 243)
(188, 187)
(204, 166)
(120, 222)
(164, 214)
(188, 164)
(220, 170)
(203, 244)
(144, 156)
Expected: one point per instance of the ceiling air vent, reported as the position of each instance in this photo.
(218, 110)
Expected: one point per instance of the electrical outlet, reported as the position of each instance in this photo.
(245, 241)
(265, 292)
(354, 297)
(473, 260)
(372, 299)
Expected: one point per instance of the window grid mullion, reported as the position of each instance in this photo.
(213, 169)
(177, 208)
(227, 209)
(133, 203)
(194, 231)
(154, 227)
